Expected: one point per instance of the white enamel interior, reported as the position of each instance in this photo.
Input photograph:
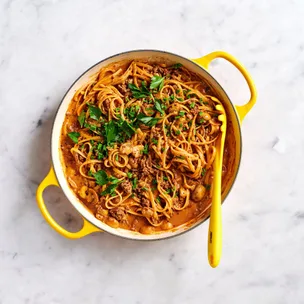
(56, 154)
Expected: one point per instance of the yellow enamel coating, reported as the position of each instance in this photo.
(244, 109)
(50, 180)
(215, 223)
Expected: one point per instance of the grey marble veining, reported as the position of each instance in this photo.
(45, 45)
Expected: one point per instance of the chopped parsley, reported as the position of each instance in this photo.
(172, 97)
(147, 120)
(92, 128)
(146, 149)
(134, 183)
(129, 174)
(159, 107)
(131, 112)
(155, 141)
(177, 132)
(207, 186)
(74, 136)
(102, 151)
(81, 118)
(101, 177)
(181, 113)
(110, 190)
(204, 170)
(165, 178)
(157, 82)
(176, 66)
(192, 105)
(141, 92)
(94, 112)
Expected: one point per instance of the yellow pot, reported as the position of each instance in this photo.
(235, 115)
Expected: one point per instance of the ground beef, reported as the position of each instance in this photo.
(145, 202)
(145, 167)
(195, 111)
(119, 213)
(106, 105)
(126, 186)
(133, 162)
(165, 185)
(102, 200)
(178, 202)
(123, 88)
(156, 132)
(157, 70)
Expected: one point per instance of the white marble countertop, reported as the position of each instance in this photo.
(45, 45)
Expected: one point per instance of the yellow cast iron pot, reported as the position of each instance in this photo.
(56, 177)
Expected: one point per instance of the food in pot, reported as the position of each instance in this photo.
(138, 144)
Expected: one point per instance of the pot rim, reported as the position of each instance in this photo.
(196, 224)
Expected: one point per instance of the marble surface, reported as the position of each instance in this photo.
(45, 45)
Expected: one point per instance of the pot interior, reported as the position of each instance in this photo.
(233, 136)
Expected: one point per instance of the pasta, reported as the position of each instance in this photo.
(138, 144)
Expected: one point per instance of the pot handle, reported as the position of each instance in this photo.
(51, 180)
(205, 61)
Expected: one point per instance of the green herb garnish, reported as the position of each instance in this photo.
(155, 141)
(157, 82)
(129, 174)
(81, 118)
(176, 66)
(181, 113)
(110, 190)
(147, 120)
(74, 136)
(94, 112)
(159, 107)
(134, 183)
(141, 92)
(101, 177)
(146, 149)
(127, 128)
(204, 170)
(207, 186)
(192, 105)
